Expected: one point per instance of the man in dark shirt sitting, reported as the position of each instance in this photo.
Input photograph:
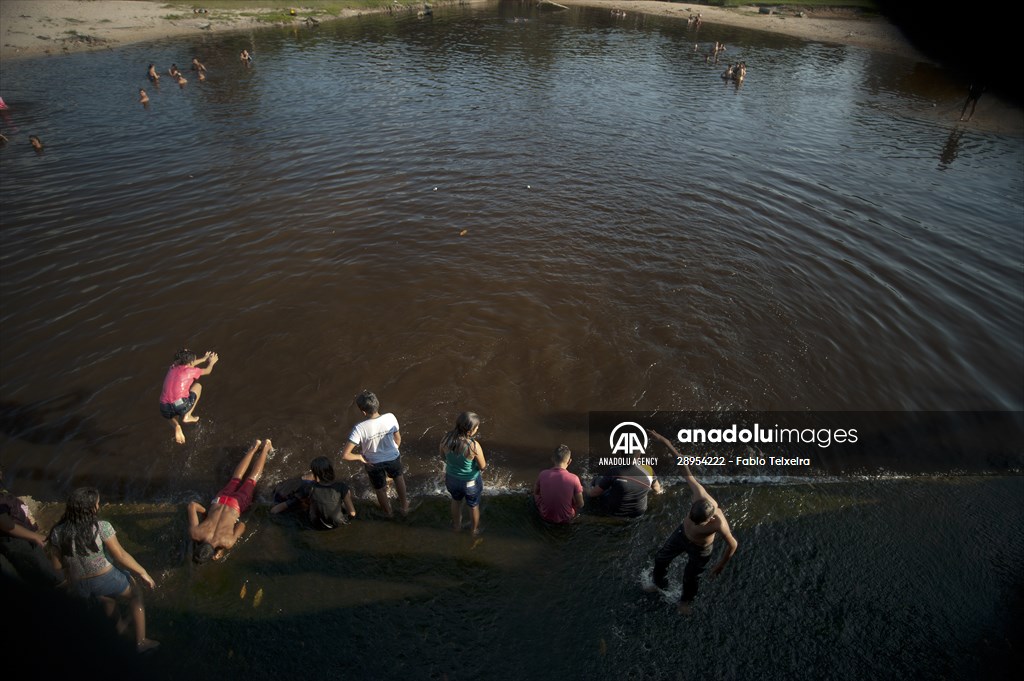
(624, 491)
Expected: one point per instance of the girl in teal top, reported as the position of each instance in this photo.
(463, 461)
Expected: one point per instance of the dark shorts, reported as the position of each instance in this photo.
(470, 490)
(380, 472)
(171, 409)
(237, 494)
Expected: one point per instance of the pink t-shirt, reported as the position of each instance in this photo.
(557, 489)
(178, 381)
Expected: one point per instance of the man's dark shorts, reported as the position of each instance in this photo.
(171, 409)
(380, 472)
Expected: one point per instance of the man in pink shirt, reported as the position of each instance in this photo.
(558, 493)
(180, 392)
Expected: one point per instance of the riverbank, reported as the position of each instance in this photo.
(822, 24)
(31, 28)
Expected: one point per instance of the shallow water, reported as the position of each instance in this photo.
(877, 579)
(639, 235)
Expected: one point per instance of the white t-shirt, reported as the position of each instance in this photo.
(376, 438)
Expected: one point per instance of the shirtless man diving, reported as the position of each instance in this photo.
(220, 529)
(696, 536)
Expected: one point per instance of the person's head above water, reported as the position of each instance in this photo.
(367, 402)
(184, 357)
(201, 553)
(701, 511)
(322, 469)
(561, 456)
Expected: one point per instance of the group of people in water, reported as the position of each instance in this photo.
(82, 553)
(174, 72)
(735, 73)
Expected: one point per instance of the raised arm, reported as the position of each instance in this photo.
(696, 488)
(125, 559)
(210, 358)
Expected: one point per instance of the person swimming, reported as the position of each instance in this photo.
(197, 65)
(173, 72)
(245, 57)
(181, 80)
(36, 144)
(143, 97)
(152, 74)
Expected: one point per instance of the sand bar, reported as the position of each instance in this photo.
(38, 27)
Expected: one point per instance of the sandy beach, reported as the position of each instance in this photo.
(37, 27)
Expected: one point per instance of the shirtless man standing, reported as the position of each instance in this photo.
(696, 536)
(220, 529)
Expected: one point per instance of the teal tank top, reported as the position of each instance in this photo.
(459, 467)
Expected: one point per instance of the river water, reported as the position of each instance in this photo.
(533, 216)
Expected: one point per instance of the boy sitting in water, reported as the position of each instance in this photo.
(181, 393)
(329, 503)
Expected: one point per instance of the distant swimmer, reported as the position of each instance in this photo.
(143, 97)
(36, 144)
(220, 529)
(727, 74)
(180, 394)
(173, 72)
(202, 76)
(245, 57)
(197, 65)
(152, 74)
(696, 536)
(181, 81)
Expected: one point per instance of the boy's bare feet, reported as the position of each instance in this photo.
(179, 436)
(189, 419)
